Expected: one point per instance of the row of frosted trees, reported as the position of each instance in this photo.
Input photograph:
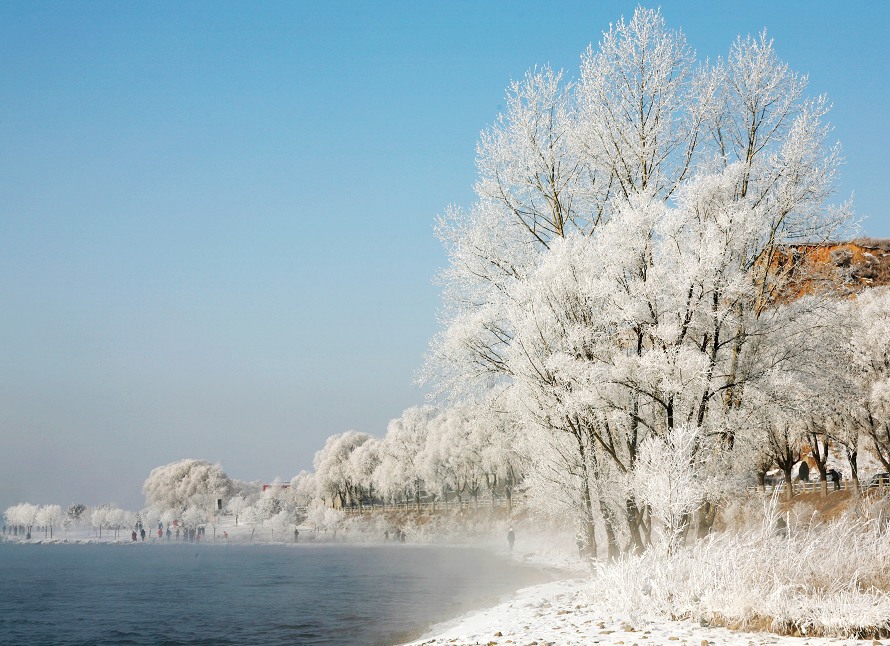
(24, 518)
(850, 417)
(436, 455)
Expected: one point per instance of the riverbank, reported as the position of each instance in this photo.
(755, 581)
(566, 613)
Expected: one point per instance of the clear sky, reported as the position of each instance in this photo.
(216, 218)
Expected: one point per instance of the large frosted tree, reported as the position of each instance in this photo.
(185, 483)
(628, 269)
(334, 469)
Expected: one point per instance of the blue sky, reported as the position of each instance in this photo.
(216, 218)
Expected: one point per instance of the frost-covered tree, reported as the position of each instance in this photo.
(461, 439)
(101, 517)
(47, 517)
(23, 516)
(283, 523)
(193, 516)
(10, 515)
(796, 386)
(28, 516)
(814, 395)
(236, 506)
(116, 519)
(398, 475)
(334, 468)
(304, 489)
(74, 514)
(669, 479)
(325, 518)
(250, 490)
(175, 485)
(432, 463)
(869, 410)
(502, 459)
(254, 516)
(629, 267)
(364, 460)
(270, 504)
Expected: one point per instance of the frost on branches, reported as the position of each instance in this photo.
(868, 411)
(624, 277)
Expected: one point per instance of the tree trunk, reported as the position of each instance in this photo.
(852, 456)
(634, 524)
(820, 456)
(789, 485)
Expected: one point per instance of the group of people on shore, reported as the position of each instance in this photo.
(398, 536)
(833, 475)
(190, 534)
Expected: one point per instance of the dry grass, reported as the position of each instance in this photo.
(827, 574)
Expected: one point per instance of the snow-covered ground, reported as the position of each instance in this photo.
(575, 610)
(566, 612)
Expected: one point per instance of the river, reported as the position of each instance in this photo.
(238, 594)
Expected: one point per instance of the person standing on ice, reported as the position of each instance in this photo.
(511, 538)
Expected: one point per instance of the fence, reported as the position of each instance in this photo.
(816, 485)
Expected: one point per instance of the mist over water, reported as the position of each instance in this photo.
(270, 594)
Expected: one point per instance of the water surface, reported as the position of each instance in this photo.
(242, 594)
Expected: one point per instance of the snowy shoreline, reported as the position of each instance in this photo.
(564, 613)
(567, 612)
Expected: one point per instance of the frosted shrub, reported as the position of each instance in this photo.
(667, 479)
(797, 583)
